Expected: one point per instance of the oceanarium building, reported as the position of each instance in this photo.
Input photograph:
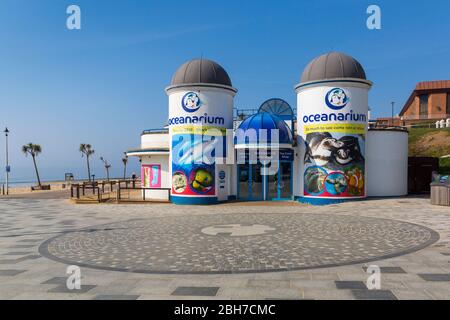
(324, 152)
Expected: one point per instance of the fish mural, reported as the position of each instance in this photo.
(334, 165)
(193, 172)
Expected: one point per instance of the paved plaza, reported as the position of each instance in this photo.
(231, 251)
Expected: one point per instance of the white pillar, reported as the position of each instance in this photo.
(193, 109)
(333, 119)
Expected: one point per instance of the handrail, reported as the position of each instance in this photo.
(149, 131)
(430, 116)
(78, 190)
(385, 126)
(143, 193)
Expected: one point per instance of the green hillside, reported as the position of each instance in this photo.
(427, 142)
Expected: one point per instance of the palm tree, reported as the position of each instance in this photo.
(125, 162)
(34, 150)
(107, 166)
(86, 150)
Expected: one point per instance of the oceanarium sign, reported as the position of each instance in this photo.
(191, 103)
(204, 119)
(336, 99)
(350, 116)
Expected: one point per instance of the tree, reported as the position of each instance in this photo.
(107, 166)
(86, 150)
(125, 162)
(34, 150)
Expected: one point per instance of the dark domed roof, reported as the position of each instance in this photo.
(263, 120)
(201, 71)
(333, 65)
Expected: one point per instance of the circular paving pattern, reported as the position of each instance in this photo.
(237, 230)
(236, 243)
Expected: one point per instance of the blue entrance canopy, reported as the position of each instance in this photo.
(248, 131)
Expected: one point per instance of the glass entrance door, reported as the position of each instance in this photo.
(272, 186)
(279, 185)
(285, 178)
(244, 181)
(257, 181)
(252, 184)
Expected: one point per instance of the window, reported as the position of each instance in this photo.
(424, 105)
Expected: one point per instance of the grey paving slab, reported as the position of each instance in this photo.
(23, 246)
(269, 283)
(29, 240)
(11, 272)
(17, 260)
(195, 291)
(17, 253)
(63, 289)
(9, 261)
(389, 269)
(435, 277)
(31, 257)
(313, 284)
(251, 293)
(373, 295)
(56, 280)
(356, 285)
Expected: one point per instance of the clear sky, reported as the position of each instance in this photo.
(105, 83)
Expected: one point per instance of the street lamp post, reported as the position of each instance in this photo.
(7, 161)
(392, 111)
(125, 162)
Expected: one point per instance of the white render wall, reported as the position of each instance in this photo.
(387, 163)
(155, 140)
(162, 160)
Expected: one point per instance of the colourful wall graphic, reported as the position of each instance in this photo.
(151, 175)
(334, 165)
(190, 174)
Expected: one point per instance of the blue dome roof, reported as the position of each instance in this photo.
(263, 120)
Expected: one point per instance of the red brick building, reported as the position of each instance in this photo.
(429, 102)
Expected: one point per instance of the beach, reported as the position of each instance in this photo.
(23, 188)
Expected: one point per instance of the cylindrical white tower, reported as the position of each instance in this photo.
(332, 120)
(201, 99)
(387, 162)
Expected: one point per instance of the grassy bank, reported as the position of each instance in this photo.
(425, 142)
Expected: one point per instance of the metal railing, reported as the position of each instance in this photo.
(155, 131)
(118, 190)
(387, 127)
(100, 191)
(431, 116)
(79, 191)
(125, 194)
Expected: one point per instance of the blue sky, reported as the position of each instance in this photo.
(105, 83)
